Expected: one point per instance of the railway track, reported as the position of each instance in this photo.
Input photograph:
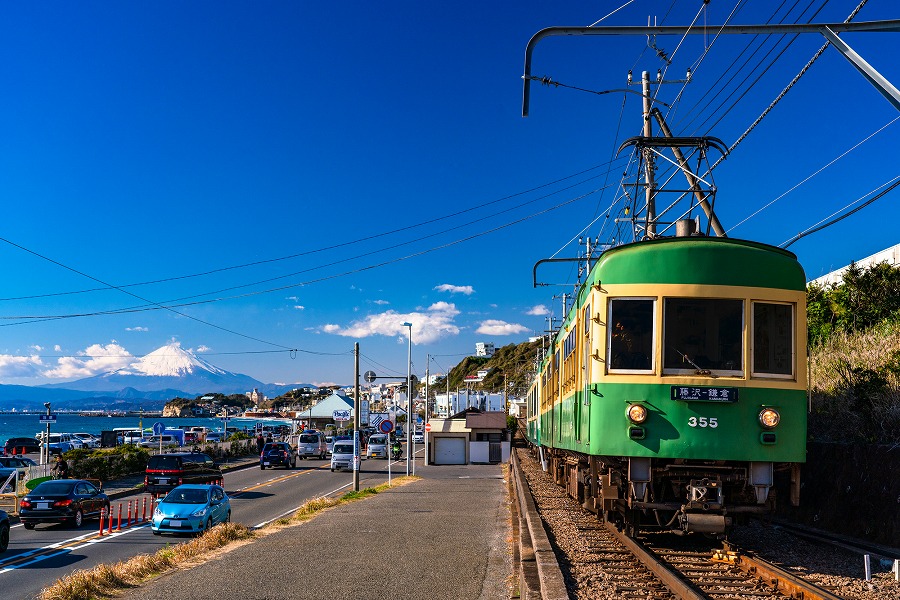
(598, 561)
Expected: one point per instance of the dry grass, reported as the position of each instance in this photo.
(105, 580)
(855, 387)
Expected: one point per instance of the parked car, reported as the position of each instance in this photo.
(4, 531)
(418, 437)
(342, 455)
(277, 454)
(132, 437)
(215, 436)
(21, 445)
(311, 445)
(154, 441)
(61, 443)
(20, 463)
(88, 440)
(191, 509)
(167, 471)
(62, 501)
(5, 473)
(378, 446)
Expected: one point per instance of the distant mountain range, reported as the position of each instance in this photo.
(165, 373)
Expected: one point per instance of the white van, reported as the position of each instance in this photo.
(155, 441)
(342, 455)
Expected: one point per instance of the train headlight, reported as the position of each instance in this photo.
(637, 413)
(769, 418)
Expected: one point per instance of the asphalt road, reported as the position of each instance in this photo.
(37, 558)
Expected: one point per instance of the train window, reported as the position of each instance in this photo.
(630, 343)
(773, 339)
(703, 334)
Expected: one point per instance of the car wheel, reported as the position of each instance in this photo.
(262, 467)
(208, 524)
(157, 533)
(228, 517)
(28, 525)
(78, 519)
(332, 470)
(4, 537)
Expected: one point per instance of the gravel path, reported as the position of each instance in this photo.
(567, 523)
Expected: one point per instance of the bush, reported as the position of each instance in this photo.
(107, 463)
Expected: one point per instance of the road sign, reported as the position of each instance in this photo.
(427, 426)
(363, 412)
(386, 426)
(341, 415)
(158, 428)
(47, 418)
(369, 376)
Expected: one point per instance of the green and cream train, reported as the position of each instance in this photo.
(674, 392)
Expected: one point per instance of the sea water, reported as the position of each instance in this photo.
(27, 425)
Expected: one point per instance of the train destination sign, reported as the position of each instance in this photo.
(704, 394)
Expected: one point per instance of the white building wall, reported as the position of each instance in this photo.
(890, 255)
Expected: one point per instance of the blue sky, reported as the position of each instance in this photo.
(328, 171)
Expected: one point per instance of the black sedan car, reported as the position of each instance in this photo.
(62, 501)
(21, 445)
(277, 454)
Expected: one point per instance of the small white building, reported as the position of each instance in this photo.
(455, 402)
(484, 348)
(468, 437)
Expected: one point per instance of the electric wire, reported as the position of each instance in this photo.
(822, 225)
(326, 248)
(157, 306)
(811, 175)
(787, 88)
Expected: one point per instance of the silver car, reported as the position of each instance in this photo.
(311, 445)
(377, 446)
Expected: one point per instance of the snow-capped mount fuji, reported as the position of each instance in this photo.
(170, 367)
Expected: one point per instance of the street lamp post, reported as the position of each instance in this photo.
(47, 439)
(409, 447)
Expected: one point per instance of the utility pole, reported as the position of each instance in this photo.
(356, 407)
(649, 164)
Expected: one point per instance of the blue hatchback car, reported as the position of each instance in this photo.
(191, 508)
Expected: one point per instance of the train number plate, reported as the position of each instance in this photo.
(704, 394)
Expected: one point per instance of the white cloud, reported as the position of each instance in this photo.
(495, 327)
(20, 366)
(429, 325)
(468, 290)
(203, 348)
(293, 298)
(299, 307)
(36, 348)
(381, 302)
(93, 360)
(137, 329)
(538, 310)
(57, 348)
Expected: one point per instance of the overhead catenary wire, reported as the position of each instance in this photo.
(341, 245)
(158, 306)
(823, 224)
(810, 176)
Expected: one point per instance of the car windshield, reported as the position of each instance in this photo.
(53, 488)
(163, 462)
(343, 449)
(377, 439)
(273, 448)
(309, 439)
(189, 496)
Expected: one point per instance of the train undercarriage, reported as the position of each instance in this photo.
(644, 494)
